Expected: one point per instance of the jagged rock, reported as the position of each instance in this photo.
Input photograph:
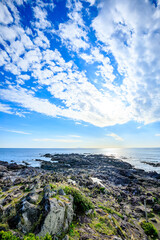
(29, 216)
(58, 217)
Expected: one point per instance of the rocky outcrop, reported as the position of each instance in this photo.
(59, 215)
(50, 215)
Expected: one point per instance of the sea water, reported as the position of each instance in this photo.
(134, 156)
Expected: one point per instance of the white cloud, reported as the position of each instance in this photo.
(130, 31)
(8, 33)
(5, 15)
(5, 108)
(74, 136)
(73, 33)
(41, 40)
(157, 134)
(73, 36)
(16, 131)
(92, 2)
(27, 100)
(55, 140)
(4, 58)
(115, 136)
(24, 77)
(131, 36)
(41, 18)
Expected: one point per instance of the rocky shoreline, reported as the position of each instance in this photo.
(79, 196)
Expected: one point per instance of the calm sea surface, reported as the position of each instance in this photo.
(135, 156)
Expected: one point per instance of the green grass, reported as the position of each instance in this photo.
(81, 202)
(149, 229)
(111, 211)
(103, 225)
(73, 232)
(9, 236)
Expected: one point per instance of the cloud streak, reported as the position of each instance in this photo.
(56, 140)
(115, 136)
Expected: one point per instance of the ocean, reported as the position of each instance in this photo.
(134, 156)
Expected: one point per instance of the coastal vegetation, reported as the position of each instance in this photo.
(81, 197)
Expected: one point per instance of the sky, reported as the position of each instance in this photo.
(79, 73)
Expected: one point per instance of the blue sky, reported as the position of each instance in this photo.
(80, 73)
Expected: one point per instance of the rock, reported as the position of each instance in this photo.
(47, 191)
(154, 220)
(116, 238)
(29, 216)
(13, 222)
(18, 181)
(141, 210)
(3, 168)
(66, 237)
(150, 200)
(61, 192)
(59, 215)
(48, 155)
(156, 208)
(15, 166)
(26, 163)
(7, 200)
(32, 197)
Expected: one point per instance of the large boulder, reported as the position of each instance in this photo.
(59, 215)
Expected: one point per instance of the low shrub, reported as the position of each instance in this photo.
(81, 202)
(9, 236)
(149, 229)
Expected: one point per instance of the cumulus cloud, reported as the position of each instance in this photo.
(115, 136)
(73, 33)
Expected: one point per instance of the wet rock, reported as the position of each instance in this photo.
(15, 166)
(48, 155)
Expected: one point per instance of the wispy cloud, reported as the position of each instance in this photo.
(74, 136)
(157, 134)
(5, 108)
(19, 132)
(56, 140)
(14, 131)
(115, 136)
